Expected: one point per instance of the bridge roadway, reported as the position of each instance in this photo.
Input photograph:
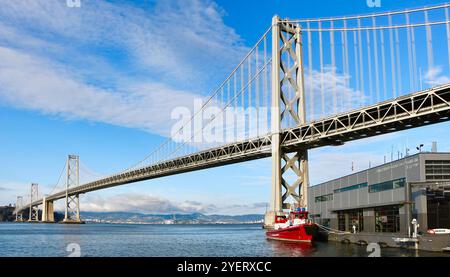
(414, 110)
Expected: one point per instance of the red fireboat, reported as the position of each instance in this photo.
(295, 227)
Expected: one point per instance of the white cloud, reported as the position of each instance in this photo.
(31, 83)
(434, 77)
(110, 62)
(147, 203)
(338, 95)
(9, 190)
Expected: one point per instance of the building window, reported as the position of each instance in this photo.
(438, 207)
(355, 217)
(349, 218)
(323, 198)
(358, 186)
(341, 221)
(394, 184)
(437, 170)
(387, 219)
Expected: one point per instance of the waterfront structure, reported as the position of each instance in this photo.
(386, 199)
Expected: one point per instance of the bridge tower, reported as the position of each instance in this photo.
(34, 210)
(72, 208)
(289, 166)
(19, 204)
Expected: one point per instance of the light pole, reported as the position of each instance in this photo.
(419, 148)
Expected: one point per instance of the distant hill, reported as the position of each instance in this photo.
(194, 218)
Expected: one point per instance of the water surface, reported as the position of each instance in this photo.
(124, 240)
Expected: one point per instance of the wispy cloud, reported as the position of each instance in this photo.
(434, 77)
(110, 62)
(147, 203)
(32, 83)
(338, 96)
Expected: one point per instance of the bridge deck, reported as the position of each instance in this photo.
(409, 111)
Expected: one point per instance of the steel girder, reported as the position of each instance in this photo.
(409, 111)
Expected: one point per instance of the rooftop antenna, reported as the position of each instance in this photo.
(392, 153)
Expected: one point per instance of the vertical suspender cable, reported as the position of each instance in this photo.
(355, 50)
(408, 38)
(369, 66)
(447, 26)
(414, 60)
(310, 73)
(333, 67)
(429, 43)
(375, 52)
(399, 75)
(322, 92)
(391, 43)
(265, 89)
(257, 90)
(249, 91)
(346, 63)
(383, 64)
(360, 48)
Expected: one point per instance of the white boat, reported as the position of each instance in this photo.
(439, 231)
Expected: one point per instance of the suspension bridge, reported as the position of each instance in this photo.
(305, 84)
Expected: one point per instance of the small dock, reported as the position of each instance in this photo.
(436, 243)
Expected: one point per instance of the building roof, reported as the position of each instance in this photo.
(381, 165)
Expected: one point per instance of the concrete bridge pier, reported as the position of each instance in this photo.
(19, 217)
(48, 215)
(33, 215)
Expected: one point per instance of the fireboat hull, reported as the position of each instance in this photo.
(301, 233)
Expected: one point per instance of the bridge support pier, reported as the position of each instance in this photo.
(18, 211)
(33, 215)
(19, 217)
(72, 211)
(289, 166)
(48, 215)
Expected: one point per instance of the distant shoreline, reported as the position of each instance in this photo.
(142, 223)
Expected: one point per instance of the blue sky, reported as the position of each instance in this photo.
(100, 81)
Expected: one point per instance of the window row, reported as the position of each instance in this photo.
(388, 185)
(358, 186)
(324, 198)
